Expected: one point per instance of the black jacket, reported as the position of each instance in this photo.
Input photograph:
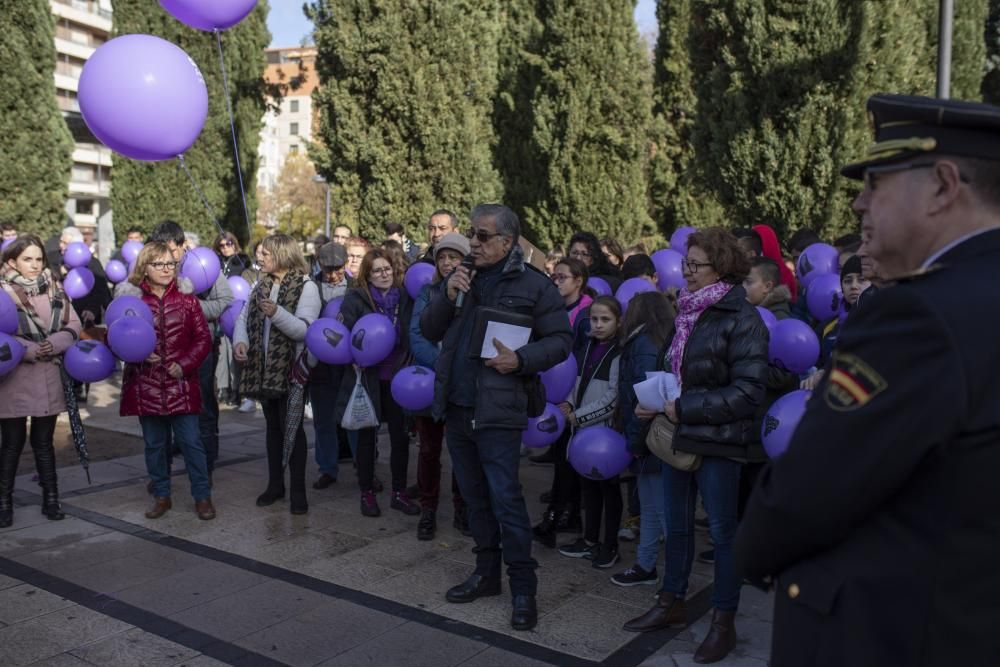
(501, 400)
(722, 378)
(881, 519)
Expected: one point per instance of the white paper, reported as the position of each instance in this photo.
(511, 335)
(658, 388)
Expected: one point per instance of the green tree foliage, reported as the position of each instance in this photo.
(405, 108)
(592, 112)
(36, 144)
(146, 193)
(991, 82)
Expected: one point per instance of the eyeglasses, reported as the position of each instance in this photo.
(164, 266)
(579, 254)
(227, 244)
(872, 173)
(693, 266)
(560, 277)
(384, 271)
(481, 235)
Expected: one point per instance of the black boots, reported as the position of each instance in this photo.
(45, 461)
(9, 456)
(545, 531)
(14, 436)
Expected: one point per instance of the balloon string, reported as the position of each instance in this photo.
(204, 199)
(232, 127)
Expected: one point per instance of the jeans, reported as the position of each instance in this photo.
(718, 480)
(486, 465)
(208, 419)
(399, 458)
(156, 431)
(323, 395)
(652, 522)
(431, 434)
(602, 497)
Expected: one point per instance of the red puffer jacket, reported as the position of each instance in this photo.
(182, 336)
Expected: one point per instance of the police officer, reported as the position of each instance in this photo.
(881, 522)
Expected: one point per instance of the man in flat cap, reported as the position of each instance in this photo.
(880, 525)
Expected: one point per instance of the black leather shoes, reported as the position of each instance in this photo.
(473, 588)
(525, 614)
(270, 496)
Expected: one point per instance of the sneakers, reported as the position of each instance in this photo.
(426, 526)
(630, 529)
(248, 405)
(401, 501)
(635, 576)
(307, 411)
(606, 557)
(369, 504)
(461, 521)
(580, 549)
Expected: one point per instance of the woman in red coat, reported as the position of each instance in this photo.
(163, 391)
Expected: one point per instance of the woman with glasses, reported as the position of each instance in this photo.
(234, 260)
(585, 247)
(718, 351)
(379, 290)
(164, 391)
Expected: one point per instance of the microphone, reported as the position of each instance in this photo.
(469, 264)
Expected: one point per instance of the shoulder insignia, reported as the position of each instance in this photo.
(919, 273)
(852, 383)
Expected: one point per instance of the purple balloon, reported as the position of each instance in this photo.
(781, 420)
(8, 314)
(11, 353)
(116, 271)
(4, 244)
(201, 266)
(372, 339)
(239, 287)
(78, 283)
(669, 269)
(630, 288)
(130, 251)
(76, 255)
(815, 260)
(544, 429)
(229, 316)
(417, 276)
(679, 239)
(598, 452)
(143, 97)
(127, 305)
(332, 309)
(824, 296)
(329, 341)
(560, 380)
(769, 319)
(132, 339)
(413, 387)
(209, 14)
(600, 286)
(794, 346)
(89, 361)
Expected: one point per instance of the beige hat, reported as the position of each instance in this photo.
(85, 223)
(453, 241)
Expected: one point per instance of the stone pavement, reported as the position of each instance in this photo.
(259, 586)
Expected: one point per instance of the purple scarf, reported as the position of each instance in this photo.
(690, 306)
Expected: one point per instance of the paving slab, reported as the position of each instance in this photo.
(58, 632)
(20, 603)
(189, 588)
(414, 644)
(134, 647)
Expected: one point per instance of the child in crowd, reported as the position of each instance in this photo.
(852, 284)
(764, 288)
(640, 266)
(593, 403)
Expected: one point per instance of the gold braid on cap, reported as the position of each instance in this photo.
(892, 147)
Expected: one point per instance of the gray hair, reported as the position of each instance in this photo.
(192, 240)
(507, 222)
(71, 235)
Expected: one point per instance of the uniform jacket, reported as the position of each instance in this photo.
(501, 400)
(881, 519)
(181, 336)
(595, 396)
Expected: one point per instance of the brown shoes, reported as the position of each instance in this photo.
(204, 509)
(721, 638)
(669, 610)
(159, 508)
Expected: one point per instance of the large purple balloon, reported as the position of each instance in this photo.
(815, 260)
(560, 380)
(76, 254)
(132, 339)
(4, 244)
(78, 283)
(630, 288)
(209, 14)
(11, 353)
(417, 276)
(89, 361)
(794, 346)
(8, 314)
(669, 269)
(824, 296)
(116, 271)
(201, 266)
(679, 239)
(239, 287)
(598, 452)
(229, 316)
(600, 286)
(544, 429)
(329, 341)
(413, 387)
(143, 97)
(127, 304)
(781, 420)
(332, 308)
(372, 339)
(769, 319)
(131, 250)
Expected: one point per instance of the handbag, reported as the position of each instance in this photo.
(660, 440)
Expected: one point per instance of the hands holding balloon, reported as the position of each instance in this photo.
(568, 412)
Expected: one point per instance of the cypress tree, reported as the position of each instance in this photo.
(991, 82)
(405, 103)
(36, 146)
(146, 193)
(592, 109)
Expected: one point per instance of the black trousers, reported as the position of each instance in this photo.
(399, 458)
(602, 498)
(13, 436)
(275, 416)
(565, 479)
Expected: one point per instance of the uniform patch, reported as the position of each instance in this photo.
(852, 383)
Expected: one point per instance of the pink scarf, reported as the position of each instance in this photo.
(690, 306)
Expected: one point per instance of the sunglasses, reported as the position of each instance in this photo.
(227, 244)
(481, 235)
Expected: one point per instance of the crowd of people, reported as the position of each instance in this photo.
(702, 449)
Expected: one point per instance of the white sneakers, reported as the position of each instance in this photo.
(248, 405)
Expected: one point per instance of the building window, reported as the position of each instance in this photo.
(293, 149)
(293, 106)
(293, 129)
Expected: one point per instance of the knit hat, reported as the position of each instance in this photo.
(452, 241)
(852, 265)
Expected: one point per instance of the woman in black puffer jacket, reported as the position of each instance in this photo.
(719, 353)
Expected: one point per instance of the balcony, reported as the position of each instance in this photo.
(91, 154)
(84, 12)
(81, 51)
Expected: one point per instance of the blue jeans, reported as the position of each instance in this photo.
(486, 465)
(652, 522)
(718, 479)
(156, 432)
(208, 420)
(323, 396)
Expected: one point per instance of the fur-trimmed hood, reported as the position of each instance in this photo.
(779, 296)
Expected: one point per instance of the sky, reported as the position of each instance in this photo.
(289, 25)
